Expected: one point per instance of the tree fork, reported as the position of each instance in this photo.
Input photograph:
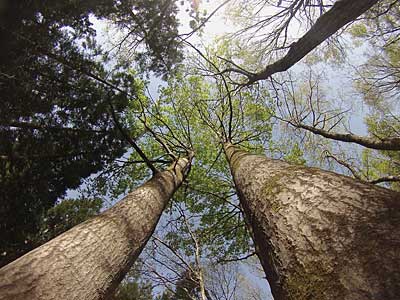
(90, 260)
(319, 235)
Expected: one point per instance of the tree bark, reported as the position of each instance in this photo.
(90, 260)
(342, 13)
(319, 235)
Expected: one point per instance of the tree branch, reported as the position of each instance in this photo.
(385, 179)
(369, 142)
(236, 259)
(132, 142)
(341, 13)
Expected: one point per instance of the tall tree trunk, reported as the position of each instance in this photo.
(90, 260)
(319, 235)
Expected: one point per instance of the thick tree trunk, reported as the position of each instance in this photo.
(90, 260)
(319, 235)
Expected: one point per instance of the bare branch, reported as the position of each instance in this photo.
(369, 142)
(236, 259)
(132, 141)
(342, 12)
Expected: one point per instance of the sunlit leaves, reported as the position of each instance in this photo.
(198, 111)
(295, 155)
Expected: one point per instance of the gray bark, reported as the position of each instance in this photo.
(319, 235)
(90, 260)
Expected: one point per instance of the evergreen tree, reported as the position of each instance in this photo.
(56, 126)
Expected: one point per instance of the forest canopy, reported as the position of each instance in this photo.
(100, 97)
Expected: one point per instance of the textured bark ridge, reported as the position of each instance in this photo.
(319, 235)
(89, 261)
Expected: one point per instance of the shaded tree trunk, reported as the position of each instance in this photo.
(319, 235)
(90, 260)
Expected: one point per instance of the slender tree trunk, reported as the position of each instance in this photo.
(199, 271)
(319, 235)
(203, 293)
(90, 260)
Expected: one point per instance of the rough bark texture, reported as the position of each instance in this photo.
(342, 12)
(319, 235)
(90, 260)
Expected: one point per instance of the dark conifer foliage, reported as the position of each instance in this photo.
(55, 92)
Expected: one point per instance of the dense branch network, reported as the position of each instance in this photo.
(341, 13)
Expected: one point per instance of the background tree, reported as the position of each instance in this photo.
(65, 215)
(377, 81)
(183, 266)
(134, 287)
